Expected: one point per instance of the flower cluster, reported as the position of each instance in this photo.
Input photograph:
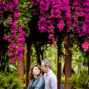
(17, 41)
(63, 15)
(81, 20)
(79, 13)
(85, 45)
(52, 16)
(44, 25)
(16, 36)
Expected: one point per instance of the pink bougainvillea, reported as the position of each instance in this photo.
(85, 45)
(17, 35)
(64, 16)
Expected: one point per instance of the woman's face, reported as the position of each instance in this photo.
(36, 71)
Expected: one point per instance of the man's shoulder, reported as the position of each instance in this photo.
(52, 75)
(44, 75)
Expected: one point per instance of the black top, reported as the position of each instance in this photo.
(37, 83)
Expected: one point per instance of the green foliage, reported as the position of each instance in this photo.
(86, 55)
(9, 81)
(77, 58)
(25, 9)
(63, 79)
(51, 54)
(77, 55)
(33, 56)
(80, 80)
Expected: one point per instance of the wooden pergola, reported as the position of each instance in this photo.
(39, 40)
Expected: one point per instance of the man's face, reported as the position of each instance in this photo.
(44, 68)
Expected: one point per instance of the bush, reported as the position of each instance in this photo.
(80, 80)
(9, 81)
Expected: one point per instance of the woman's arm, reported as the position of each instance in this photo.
(29, 86)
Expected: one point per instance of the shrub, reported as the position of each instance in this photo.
(9, 81)
(80, 80)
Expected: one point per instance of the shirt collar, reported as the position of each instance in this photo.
(50, 71)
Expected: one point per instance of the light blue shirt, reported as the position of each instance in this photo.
(50, 80)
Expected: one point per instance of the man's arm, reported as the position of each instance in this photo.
(53, 81)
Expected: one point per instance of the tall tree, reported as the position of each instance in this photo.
(68, 59)
(59, 65)
(28, 63)
(20, 70)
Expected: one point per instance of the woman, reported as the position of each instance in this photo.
(37, 80)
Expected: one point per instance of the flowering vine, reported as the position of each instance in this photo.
(81, 21)
(51, 16)
(16, 35)
(69, 17)
(64, 15)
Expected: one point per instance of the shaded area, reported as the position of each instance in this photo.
(3, 49)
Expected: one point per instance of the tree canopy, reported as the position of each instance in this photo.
(51, 20)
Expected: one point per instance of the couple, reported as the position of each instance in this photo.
(47, 81)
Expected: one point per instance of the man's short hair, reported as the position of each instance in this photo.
(47, 63)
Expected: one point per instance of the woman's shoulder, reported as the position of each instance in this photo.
(41, 78)
(40, 82)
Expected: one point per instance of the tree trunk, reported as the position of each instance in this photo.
(42, 56)
(20, 70)
(88, 66)
(59, 67)
(38, 55)
(68, 58)
(28, 64)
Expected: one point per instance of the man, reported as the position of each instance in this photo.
(49, 76)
